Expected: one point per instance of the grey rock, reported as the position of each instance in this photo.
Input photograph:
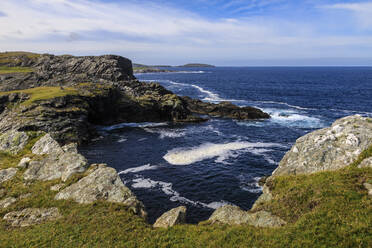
(7, 202)
(24, 162)
(368, 186)
(24, 196)
(265, 197)
(7, 174)
(103, 183)
(233, 215)
(366, 163)
(172, 217)
(13, 141)
(329, 148)
(31, 216)
(57, 187)
(46, 145)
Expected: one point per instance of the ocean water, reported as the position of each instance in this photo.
(204, 166)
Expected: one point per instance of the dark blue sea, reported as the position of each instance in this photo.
(204, 166)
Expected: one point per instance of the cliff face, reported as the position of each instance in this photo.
(66, 95)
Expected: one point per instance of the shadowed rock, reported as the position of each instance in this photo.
(172, 217)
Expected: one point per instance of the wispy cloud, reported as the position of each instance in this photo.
(154, 32)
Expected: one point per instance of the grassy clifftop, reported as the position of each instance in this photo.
(325, 209)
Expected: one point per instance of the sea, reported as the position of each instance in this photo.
(206, 165)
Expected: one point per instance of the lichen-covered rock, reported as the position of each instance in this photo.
(366, 163)
(265, 197)
(31, 216)
(46, 145)
(60, 162)
(172, 217)
(329, 148)
(7, 174)
(24, 162)
(233, 215)
(57, 187)
(7, 202)
(103, 183)
(13, 141)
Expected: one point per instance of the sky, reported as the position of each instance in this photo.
(220, 32)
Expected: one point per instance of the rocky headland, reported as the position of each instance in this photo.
(320, 192)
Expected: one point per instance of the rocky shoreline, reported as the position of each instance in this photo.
(48, 112)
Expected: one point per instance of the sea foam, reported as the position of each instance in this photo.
(185, 156)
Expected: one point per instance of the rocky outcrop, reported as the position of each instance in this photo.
(329, 148)
(60, 162)
(31, 216)
(224, 110)
(233, 215)
(172, 217)
(103, 183)
(7, 174)
(13, 141)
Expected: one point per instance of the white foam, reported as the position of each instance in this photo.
(286, 104)
(121, 140)
(133, 124)
(185, 156)
(167, 189)
(251, 186)
(138, 169)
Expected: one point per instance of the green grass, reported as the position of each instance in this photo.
(9, 70)
(43, 93)
(325, 209)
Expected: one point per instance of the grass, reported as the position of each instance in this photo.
(43, 93)
(9, 70)
(325, 209)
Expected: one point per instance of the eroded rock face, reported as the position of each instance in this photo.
(233, 215)
(13, 141)
(172, 217)
(329, 148)
(31, 216)
(7, 174)
(60, 162)
(103, 183)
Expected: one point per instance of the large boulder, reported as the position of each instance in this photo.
(13, 141)
(233, 215)
(103, 183)
(31, 216)
(7, 174)
(330, 148)
(172, 217)
(59, 162)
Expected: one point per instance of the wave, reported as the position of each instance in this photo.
(132, 124)
(166, 188)
(138, 169)
(167, 133)
(185, 156)
(352, 111)
(251, 185)
(286, 104)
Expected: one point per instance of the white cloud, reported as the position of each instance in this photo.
(154, 33)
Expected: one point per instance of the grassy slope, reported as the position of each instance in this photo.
(326, 209)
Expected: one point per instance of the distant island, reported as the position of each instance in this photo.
(196, 65)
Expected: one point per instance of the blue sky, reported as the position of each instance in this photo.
(222, 32)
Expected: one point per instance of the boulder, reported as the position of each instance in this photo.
(329, 148)
(172, 217)
(13, 141)
(59, 162)
(46, 145)
(7, 202)
(7, 174)
(57, 187)
(265, 197)
(233, 215)
(31, 216)
(366, 163)
(103, 183)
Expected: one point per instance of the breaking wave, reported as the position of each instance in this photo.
(138, 169)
